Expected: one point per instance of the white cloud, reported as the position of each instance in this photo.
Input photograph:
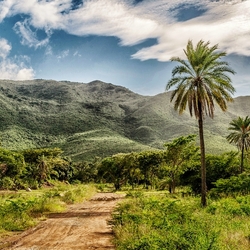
(29, 37)
(63, 54)
(13, 68)
(48, 51)
(77, 54)
(112, 18)
(4, 48)
(226, 22)
(43, 13)
(25, 74)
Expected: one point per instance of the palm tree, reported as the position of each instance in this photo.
(240, 136)
(201, 81)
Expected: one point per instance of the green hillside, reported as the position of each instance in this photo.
(100, 119)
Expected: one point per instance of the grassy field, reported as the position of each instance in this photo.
(156, 221)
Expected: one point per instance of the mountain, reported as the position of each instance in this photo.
(100, 119)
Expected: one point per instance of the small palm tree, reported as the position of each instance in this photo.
(240, 136)
(201, 81)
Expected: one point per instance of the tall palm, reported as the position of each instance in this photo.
(240, 136)
(201, 81)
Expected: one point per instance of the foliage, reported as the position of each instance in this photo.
(12, 168)
(46, 163)
(158, 222)
(240, 136)
(218, 166)
(177, 165)
(181, 153)
(133, 168)
(232, 186)
(33, 167)
(97, 119)
(19, 211)
(201, 82)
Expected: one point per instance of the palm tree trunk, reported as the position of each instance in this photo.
(203, 162)
(242, 158)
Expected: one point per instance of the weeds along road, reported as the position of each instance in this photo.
(83, 226)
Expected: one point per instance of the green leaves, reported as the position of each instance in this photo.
(240, 135)
(202, 78)
(241, 132)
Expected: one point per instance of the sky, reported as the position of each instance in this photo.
(123, 42)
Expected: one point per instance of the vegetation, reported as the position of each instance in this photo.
(201, 82)
(181, 155)
(21, 210)
(105, 134)
(240, 136)
(99, 119)
(157, 221)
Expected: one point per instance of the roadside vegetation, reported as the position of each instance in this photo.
(151, 221)
(22, 210)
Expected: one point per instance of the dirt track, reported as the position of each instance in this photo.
(83, 226)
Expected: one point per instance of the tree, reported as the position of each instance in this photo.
(113, 169)
(149, 164)
(12, 167)
(240, 136)
(178, 156)
(202, 81)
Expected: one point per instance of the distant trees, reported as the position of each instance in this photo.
(12, 168)
(32, 167)
(218, 166)
(240, 136)
(201, 81)
(176, 165)
(150, 168)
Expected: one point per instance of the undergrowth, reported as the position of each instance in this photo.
(159, 222)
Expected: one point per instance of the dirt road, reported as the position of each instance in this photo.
(82, 227)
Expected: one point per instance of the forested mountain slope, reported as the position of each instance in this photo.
(99, 119)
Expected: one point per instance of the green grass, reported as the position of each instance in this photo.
(22, 210)
(158, 221)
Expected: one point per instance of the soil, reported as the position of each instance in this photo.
(83, 226)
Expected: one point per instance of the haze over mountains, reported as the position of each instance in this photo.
(100, 119)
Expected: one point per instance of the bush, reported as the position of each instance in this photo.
(162, 223)
(7, 183)
(232, 186)
(158, 222)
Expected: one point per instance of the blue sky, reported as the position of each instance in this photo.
(123, 42)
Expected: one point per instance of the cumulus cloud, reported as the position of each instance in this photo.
(13, 68)
(5, 48)
(25, 74)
